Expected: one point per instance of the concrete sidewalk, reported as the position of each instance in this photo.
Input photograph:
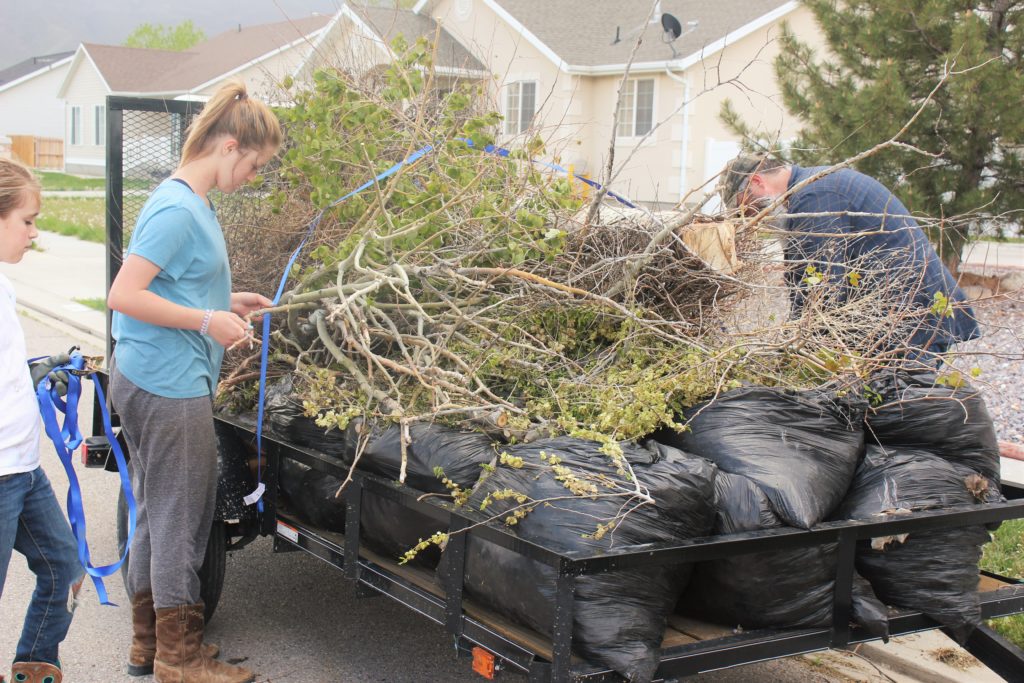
(995, 256)
(60, 270)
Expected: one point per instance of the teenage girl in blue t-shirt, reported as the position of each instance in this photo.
(174, 314)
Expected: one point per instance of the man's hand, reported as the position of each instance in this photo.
(43, 368)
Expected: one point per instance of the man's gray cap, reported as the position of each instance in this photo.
(736, 176)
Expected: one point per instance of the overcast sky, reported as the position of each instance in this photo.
(39, 27)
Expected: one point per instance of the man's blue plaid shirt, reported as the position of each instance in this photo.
(863, 240)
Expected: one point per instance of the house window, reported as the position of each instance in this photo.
(520, 106)
(76, 125)
(636, 108)
(101, 125)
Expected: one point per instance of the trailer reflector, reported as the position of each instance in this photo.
(95, 450)
(483, 663)
(289, 532)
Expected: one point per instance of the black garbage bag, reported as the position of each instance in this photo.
(800, 448)
(432, 448)
(312, 494)
(386, 526)
(619, 616)
(460, 455)
(286, 417)
(776, 589)
(952, 422)
(935, 572)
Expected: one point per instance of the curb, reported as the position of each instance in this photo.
(913, 656)
(64, 324)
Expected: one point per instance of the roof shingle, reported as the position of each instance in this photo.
(389, 23)
(586, 38)
(24, 68)
(133, 69)
(229, 50)
(143, 70)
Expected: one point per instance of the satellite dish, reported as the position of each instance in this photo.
(671, 26)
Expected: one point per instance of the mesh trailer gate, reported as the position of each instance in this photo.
(143, 144)
(144, 140)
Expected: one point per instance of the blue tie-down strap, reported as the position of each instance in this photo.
(257, 494)
(502, 152)
(66, 438)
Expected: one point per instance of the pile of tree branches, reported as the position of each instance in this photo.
(473, 287)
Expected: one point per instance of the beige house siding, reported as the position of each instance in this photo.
(645, 167)
(350, 46)
(755, 94)
(86, 90)
(575, 111)
(561, 103)
(680, 158)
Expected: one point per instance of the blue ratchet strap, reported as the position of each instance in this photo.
(257, 494)
(66, 439)
(502, 152)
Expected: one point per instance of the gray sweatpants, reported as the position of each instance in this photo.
(174, 476)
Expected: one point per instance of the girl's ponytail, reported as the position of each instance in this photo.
(232, 112)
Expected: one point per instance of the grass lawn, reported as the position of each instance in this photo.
(62, 181)
(1005, 556)
(81, 217)
(95, 303)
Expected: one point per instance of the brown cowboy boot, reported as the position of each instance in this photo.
(143, 650)
(35, 672)
(179, 654)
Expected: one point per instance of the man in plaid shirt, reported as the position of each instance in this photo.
(849, 237)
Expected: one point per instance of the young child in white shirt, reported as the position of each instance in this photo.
(31, 521)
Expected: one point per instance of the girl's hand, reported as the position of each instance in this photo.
(244, 303)
(228, 329)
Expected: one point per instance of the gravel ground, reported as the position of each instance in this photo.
(999, 354)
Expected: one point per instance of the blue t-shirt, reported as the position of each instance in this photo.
(179, 233)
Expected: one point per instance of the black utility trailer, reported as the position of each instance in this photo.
(143, 141)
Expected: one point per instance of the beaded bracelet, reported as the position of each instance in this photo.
(207, 316)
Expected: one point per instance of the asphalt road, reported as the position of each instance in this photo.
(288, 616)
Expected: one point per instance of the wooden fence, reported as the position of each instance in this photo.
(47, 153)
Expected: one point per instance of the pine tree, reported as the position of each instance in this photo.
(885, 58)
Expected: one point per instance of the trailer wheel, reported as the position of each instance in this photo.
(211, 574)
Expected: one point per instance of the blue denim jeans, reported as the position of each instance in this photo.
(32, 523)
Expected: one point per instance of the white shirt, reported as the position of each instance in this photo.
(19, 411)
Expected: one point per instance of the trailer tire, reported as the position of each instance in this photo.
(211, 574)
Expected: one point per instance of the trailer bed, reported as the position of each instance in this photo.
(689, 646)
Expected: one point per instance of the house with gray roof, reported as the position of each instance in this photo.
(452, 59)
(27, 104)
(261, 56)
(559, 68)
(554, 69)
